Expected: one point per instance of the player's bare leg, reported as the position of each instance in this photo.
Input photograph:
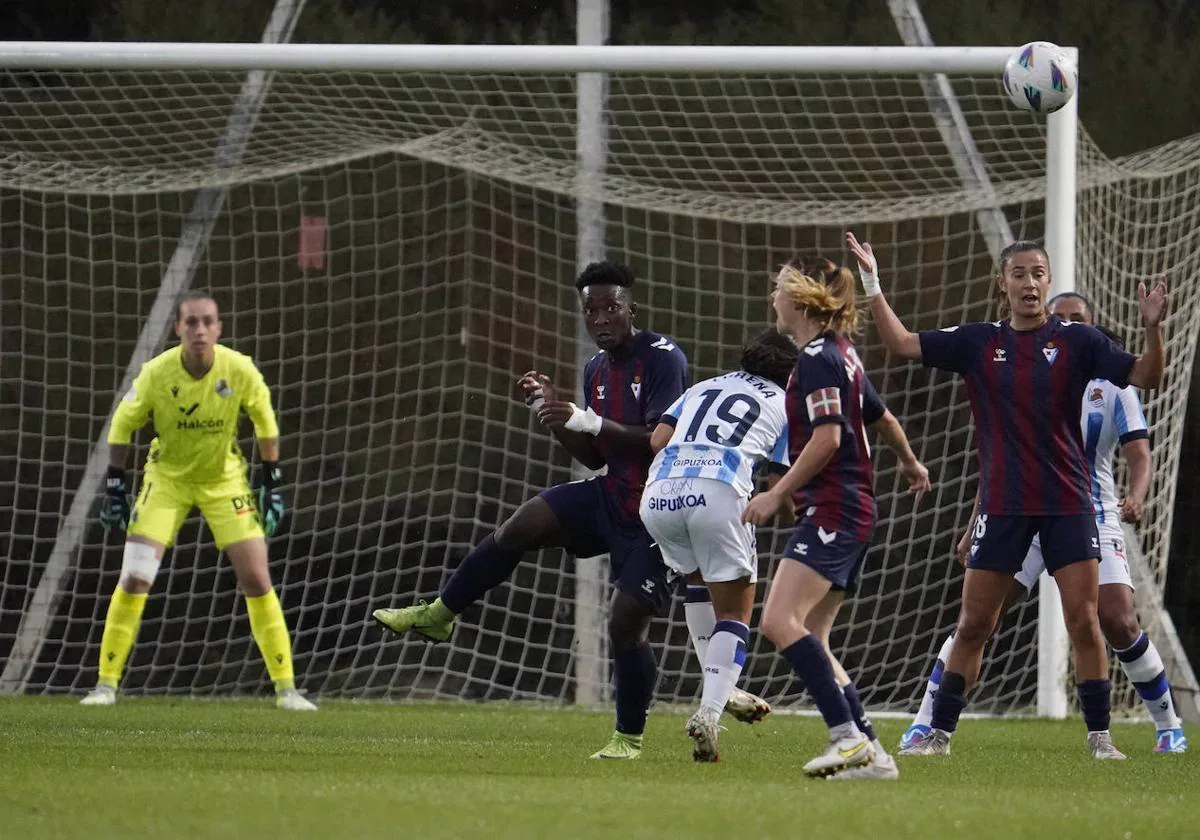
(532, 526)
(1079, 585)
(795, 592)
(139, 565)
(732, 602)
(701, 620)
(267, 623)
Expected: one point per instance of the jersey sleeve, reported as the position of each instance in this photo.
(780, 461)
(1128, 419)
(944, 349)
(873, 408)
(823, 384)
(133, 411)
(1108, 359)
(671, 415)
(257, 402)
(666, 380)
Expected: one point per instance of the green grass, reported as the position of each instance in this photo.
(186, 768)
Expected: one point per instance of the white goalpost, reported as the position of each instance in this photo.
(398, 242)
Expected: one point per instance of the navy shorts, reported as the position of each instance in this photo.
(834, 556)
(1000, 543)
(595, 526)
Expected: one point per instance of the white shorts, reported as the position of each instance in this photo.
(697, 523)
(1114, 567)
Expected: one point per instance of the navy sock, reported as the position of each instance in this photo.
(486, 567)
(808, 659)
(856, 709)
(634, 672)
(948, 701)
(1095, 702)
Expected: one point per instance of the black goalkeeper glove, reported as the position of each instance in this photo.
(270, 500)
(114, 507)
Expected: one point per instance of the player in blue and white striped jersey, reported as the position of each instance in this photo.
(1111, 418)
(709, 445)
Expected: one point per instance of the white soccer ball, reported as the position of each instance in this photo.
(1040, 77)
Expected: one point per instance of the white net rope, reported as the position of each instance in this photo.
(395, 249)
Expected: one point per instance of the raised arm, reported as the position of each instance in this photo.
(894, 334)
(1147, 370)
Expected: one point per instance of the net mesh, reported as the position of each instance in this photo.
(394, 249)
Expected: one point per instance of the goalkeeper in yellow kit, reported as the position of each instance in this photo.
(194, 393)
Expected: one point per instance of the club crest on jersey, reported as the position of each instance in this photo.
(1050, 352)
(1001, 355)
(223, 389)
(636, 387)
(1096, 398)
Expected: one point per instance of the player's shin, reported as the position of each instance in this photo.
(120, 630)
(811, 664)
(723, 664)
(271, 634)
(701, 620)
(1144, 667)
(487, 566)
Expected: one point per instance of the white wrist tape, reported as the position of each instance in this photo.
(870, 282)
(588, 422)
(537, 400)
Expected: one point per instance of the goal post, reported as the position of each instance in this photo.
(452, 200)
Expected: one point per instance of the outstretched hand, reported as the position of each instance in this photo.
(862, 252)
(1153, 303)
(868, 266)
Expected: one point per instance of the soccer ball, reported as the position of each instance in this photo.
(1040, 77)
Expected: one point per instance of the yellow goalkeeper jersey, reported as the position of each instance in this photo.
(195, 420)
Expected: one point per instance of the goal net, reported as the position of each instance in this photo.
(394, 249)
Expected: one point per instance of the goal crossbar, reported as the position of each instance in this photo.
(82, 55)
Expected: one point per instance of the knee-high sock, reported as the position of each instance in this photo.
(701, 620)
(120, 630)
(1144, 667)
(811, 664)
(634, 672)
(486, 567)
(723, 665)
(271, 634)
(925, 713)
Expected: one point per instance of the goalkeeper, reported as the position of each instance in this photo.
(194, 394)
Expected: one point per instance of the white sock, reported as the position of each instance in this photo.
(925, 713)
(723, 664)
(1145, 670)
(701, 619)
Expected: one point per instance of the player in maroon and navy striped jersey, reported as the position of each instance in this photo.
(830, 402)
(1025, 379)
(628, 385)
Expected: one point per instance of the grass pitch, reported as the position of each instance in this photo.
(232, 769)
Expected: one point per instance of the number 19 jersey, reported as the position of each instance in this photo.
(725, 427)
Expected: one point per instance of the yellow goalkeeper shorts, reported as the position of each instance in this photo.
(229, 508)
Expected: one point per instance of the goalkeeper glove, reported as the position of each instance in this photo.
(270, 500)
(114, 507)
